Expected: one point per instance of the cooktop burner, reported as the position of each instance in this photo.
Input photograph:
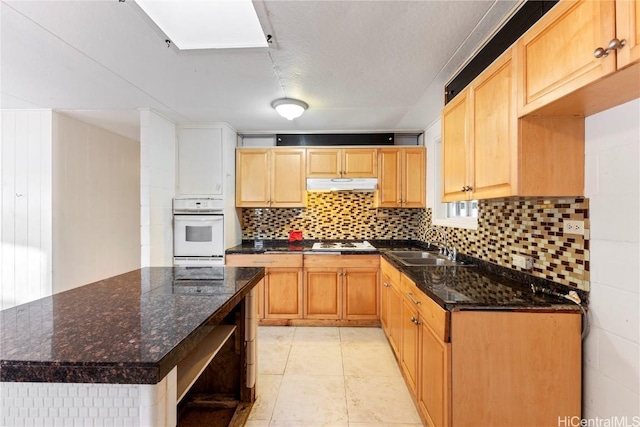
(343, 246)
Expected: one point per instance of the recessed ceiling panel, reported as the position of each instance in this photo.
(207, 24)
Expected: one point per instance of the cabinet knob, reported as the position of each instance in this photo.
(414, 321)
(613, 45)
(386, 285)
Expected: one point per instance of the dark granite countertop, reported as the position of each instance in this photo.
(482, 287)
(247, 247)
(128, 329)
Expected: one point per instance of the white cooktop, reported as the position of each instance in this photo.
(343, 246)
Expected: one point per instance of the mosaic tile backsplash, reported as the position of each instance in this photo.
(339, 215)
(531, 227)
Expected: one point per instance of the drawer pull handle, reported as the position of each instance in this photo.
(410, 295)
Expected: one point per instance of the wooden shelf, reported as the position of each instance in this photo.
(190, 368)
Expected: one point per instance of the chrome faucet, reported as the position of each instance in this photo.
(450, 253)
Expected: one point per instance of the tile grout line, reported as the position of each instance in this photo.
(344, 376)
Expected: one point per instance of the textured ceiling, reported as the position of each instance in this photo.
(360, 65)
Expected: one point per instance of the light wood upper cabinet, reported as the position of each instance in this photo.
(401, 177)
(456, 148)
(556, 54)
(488, 152)
(341, 163)
(628, 28)
(270, 178)
(558, 73)
(494, 132)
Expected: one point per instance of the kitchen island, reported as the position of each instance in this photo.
(120, 350)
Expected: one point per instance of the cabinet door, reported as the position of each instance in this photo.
(494, 131)
(252, 178)
(359, 163)
(434, 396)
(628, 28)
(360, 293)
(200, 161)
(323, 163)
(283, 293)
(385, 286)
(395, 318)
(413, 178)
(555, 57)
(389, 178)
(322, 293)
(288, 181)
(409, 345)
(455, 148)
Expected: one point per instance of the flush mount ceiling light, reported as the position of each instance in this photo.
(289, 108)
(207, 24)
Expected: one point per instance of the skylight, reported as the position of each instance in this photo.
(207, 24)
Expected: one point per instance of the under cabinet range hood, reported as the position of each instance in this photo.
(342, 184)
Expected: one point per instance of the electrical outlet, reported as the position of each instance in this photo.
(524, 262)
(573, 227)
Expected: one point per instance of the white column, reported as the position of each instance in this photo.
(26, 202)
(157, 188)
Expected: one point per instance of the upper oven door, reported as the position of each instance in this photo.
(198, 235)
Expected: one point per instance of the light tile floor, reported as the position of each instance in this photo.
(318, 376)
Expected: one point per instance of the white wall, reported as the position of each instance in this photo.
(25, 231)
(157, 188)
(96, 203)
(612, 351)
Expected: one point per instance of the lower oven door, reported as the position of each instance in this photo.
(198, 236)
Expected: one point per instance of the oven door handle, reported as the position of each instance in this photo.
(198, 219)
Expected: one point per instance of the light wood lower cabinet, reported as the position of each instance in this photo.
(390, 304)
(315, 288)
(489, 368)
(409, 344)
(322, 293)
(341, 287)
(280, 296)
(435, 371)
(283, 293)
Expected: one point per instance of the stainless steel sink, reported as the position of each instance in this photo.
(423, 258)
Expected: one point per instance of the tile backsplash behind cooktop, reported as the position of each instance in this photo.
(530, 226)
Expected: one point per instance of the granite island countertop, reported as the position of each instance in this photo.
(453, 288)
(129, 329)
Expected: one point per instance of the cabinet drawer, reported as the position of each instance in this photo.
(331, 260)
(430, 312)
(261, 260)
(390, 271)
